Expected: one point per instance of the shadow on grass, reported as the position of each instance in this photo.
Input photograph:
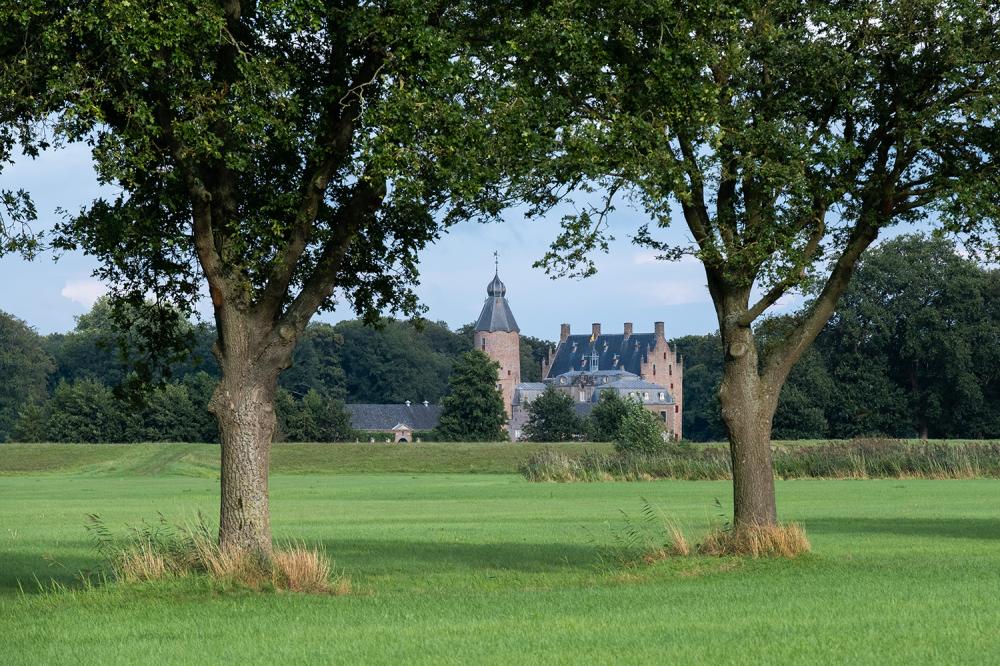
(377, 556)
(952, 528)
(34, 573)
(360, 556)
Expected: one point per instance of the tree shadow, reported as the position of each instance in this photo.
(445, 557)
(34, 573)
(951, 528)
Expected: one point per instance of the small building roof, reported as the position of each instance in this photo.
(390, 417)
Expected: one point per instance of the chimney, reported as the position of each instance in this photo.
(658, 328)
(563, 332)
(628, 330)
(595, 330)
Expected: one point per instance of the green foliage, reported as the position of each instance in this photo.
(87, 411)
(473, 410)
(702, 420)
(533, 351)
(551, 418)
(398, 360)
(917, 331)
(640, 431)
(605, 421)
(314, 418)
(24, 370)
(317, 364)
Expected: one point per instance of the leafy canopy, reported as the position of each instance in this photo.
(786, 134)
(296, 153)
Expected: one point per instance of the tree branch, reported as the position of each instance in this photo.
(337, 133)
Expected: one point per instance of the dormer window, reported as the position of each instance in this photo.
(662, 397)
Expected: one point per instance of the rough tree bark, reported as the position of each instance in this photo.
(748, 404)
(243, 404)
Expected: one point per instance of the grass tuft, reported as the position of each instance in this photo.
(161, 552)
(301, 569)
(783, 540)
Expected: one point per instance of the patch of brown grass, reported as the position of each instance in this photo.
(301, 569)
(784, 540)
(140, 563)
(294, 568)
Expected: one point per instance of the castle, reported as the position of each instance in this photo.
(641, 366)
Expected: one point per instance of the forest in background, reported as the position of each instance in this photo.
(913, 350)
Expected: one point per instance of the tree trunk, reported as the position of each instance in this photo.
(244, 407)
(748, 406)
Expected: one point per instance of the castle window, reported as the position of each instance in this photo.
(484, 344)
(670, 370)
(654, 369)
(677, 409)
(663, 415)
(662, 397)
(645, 396)
(582, 397)
(671, 386)
(508, 373)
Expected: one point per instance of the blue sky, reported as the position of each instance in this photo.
(631, 285)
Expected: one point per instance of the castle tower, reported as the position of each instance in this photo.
(499, 337)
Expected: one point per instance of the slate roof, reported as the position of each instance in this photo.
(385, 417)
(641, 385)
(496, 314)
(631, 352)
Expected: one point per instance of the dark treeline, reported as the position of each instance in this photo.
(64, 387)
(914, 350)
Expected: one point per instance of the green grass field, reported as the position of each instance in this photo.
(452, 567)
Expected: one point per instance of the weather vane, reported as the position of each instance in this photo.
(496, 262)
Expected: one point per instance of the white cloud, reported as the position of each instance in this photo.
(84, 292)
(679, 293)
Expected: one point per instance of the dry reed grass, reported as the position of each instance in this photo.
(783, 540)
(161, 552)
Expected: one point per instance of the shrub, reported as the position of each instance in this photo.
(605, 419)
(551, 418)
(640, 431)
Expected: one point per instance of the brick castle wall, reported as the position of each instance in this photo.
(504, 347)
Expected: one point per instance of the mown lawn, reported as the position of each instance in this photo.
(470, 568)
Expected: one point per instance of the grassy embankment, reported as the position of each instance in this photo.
(460, 568)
